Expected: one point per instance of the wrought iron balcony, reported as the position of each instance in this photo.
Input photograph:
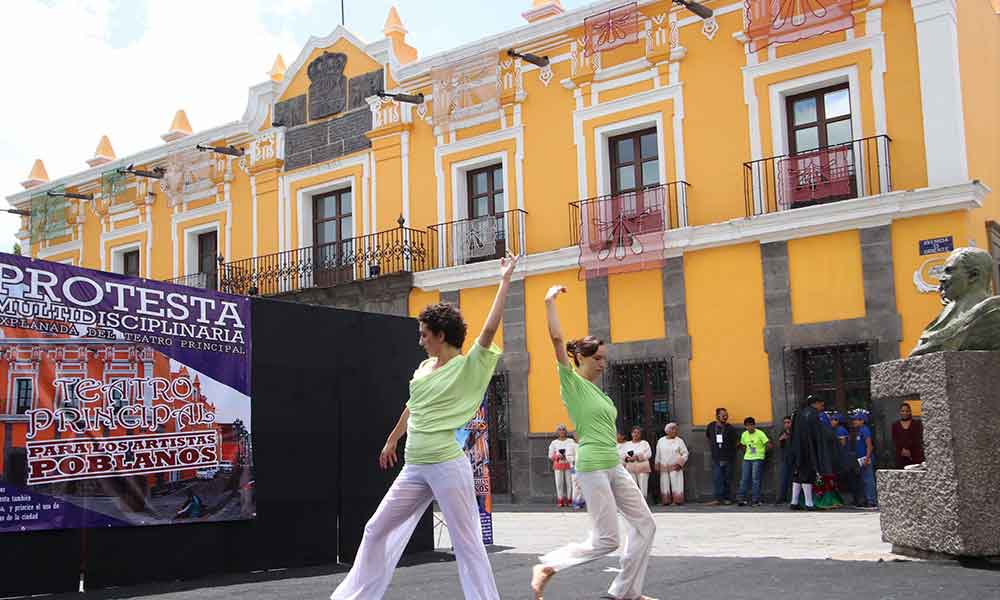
(205, 281)
(399, 250)
(606, 220)
(478, 239)
(854, 169)
(626, 232)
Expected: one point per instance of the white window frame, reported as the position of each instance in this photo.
(191, 244)
(460, 195)
(12, 401)
(304, 199)
(118, 257)
(602, 158)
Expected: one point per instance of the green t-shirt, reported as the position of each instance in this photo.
(594, 415)
(756, 444)
(443, 400)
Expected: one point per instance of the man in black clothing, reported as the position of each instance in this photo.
(785, 442)
(807, 453)
(722, 439)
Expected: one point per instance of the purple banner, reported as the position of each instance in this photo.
(123, 401)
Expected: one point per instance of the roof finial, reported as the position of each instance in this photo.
(103, 154)
(395, 31)
(38, 175)
(180, 127)
(277, 72)
(542, 9)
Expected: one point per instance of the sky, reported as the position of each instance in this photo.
(77, 70)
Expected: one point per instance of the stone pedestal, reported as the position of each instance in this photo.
(952, 506)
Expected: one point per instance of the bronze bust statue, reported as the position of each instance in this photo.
(970, 319)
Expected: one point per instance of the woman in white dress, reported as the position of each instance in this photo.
(562, 453)
(671, 454)
(635, 454)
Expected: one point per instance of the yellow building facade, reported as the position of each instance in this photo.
(745, 224)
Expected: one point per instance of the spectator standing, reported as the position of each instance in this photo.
(908, 438)
(756, 444)
(635, 454)
(861, 437)
(722, 439)
(671, 455)
(562, 453)
(785, 443)
(807, 439)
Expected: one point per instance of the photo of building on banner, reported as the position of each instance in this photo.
(474, 439)
(123, 401)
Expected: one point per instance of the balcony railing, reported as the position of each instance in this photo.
(854, 169)
(603, 220)
(205, 281)
(478, 239)
(366, 257)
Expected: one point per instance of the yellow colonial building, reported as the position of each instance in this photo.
(750, 207)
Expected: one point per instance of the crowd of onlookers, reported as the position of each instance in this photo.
(820, 455)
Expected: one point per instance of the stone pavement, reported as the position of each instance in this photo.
(700, 553)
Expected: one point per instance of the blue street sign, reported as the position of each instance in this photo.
(936, 246)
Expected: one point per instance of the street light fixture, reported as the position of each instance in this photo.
(417, 98)
(538, 61)
(73, 195)
(696, 7)
(156, 173)
(229, 150)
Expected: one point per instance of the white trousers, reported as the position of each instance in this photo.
(564, 484)
(607, 492)
(389, 529)
(672, 484)
(641, 480)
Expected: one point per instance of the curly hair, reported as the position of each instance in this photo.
(445, 318)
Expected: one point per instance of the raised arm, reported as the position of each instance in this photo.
(387, 458)
(492, 323)
(555, 330)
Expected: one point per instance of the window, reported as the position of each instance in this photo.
(838, 374)
(820, 166)
(819, 119)
(635, 180)
(130, 263)
(333, 224)
(208, 250)
(483, 237)
(641, 391)
(117, 395)
(24, 395)
(69, 398)
(635, 163)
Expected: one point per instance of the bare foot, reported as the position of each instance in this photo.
(540, 576)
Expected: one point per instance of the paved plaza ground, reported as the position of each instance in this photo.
(700, 553)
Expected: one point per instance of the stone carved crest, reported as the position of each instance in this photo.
(328, 87)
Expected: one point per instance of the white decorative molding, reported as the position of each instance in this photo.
(931, 269)
(45, 253)
(941, 90)
(545, 75)
(710, 27)
(875, 44)
(802, 222)
(285, 191)
(515, 133)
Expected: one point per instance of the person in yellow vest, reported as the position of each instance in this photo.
(562, 453)
(445, 392)
(607, 486)
(635, 454)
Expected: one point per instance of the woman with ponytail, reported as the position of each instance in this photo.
(607, 487)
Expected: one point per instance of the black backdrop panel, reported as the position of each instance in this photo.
(39, 562)
(367, 420)
(328, 386)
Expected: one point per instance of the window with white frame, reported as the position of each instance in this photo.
(126, 260)
(24, 395)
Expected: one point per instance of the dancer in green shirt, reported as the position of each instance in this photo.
(445, 392)
(607, 487)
